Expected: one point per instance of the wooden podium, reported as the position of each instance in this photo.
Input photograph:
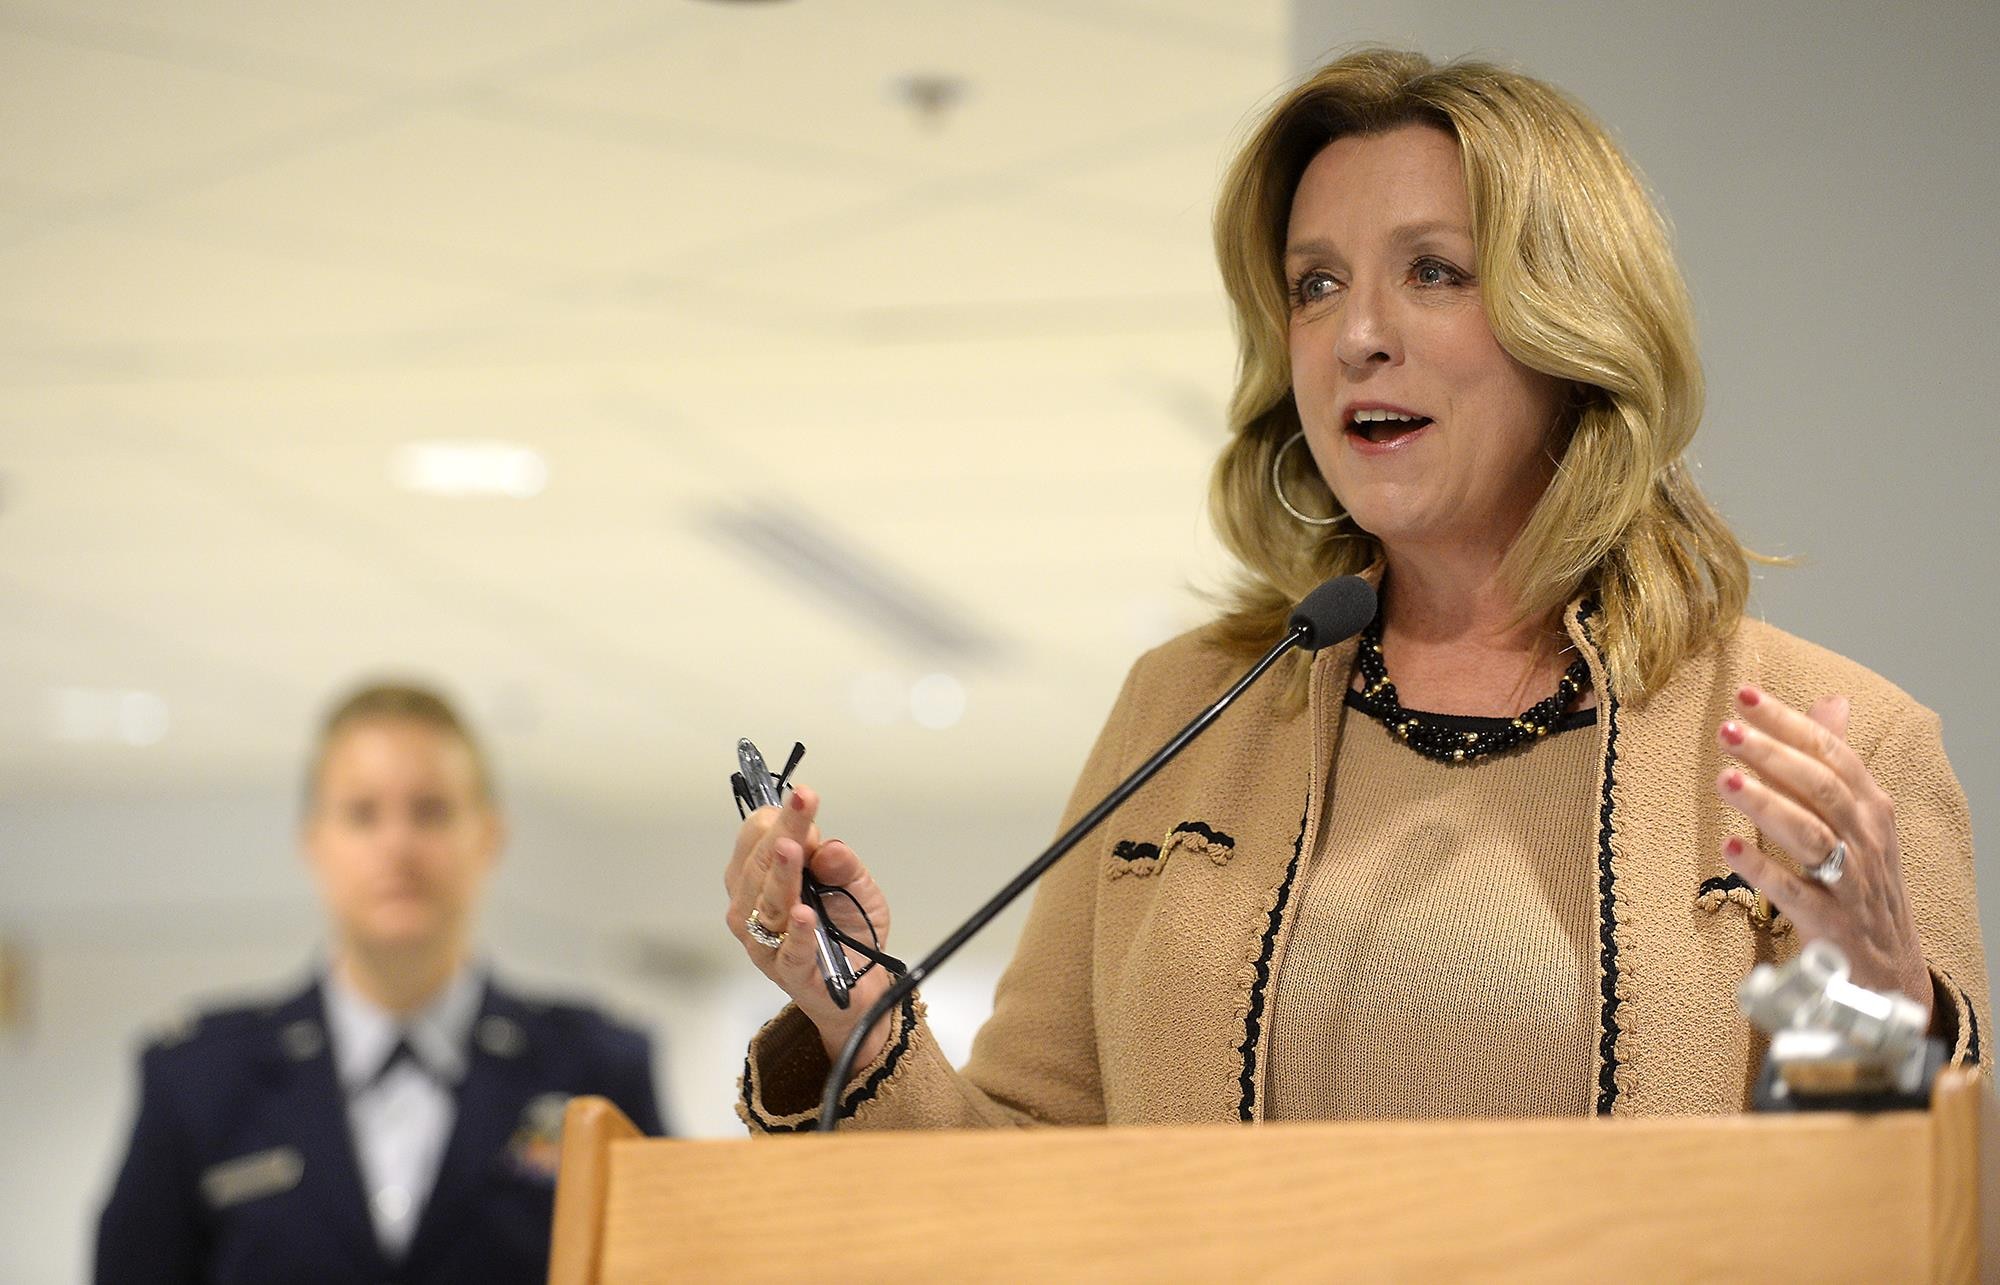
(1902, 1196)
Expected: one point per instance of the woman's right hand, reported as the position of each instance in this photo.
(773, 848)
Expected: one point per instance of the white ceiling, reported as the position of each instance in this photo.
(704, 258)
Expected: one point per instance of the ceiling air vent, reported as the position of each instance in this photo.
(871, 594)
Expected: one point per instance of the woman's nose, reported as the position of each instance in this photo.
(1367, 334)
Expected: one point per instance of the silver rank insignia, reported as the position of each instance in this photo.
(302, 1040)
(500, 1036)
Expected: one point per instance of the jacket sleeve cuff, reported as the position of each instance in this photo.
(1955, 1021)
(787, 1066)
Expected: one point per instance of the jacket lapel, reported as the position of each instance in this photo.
(1301, 762)
(298, 1063)
(1610, 1087)
(1228, 817)
(499, 1082)
(1671, 1039)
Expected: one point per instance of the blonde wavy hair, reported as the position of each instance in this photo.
(1579, 282)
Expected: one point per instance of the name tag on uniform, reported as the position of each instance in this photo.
(261, 1173)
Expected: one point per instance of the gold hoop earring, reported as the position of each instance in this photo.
(1278, 486)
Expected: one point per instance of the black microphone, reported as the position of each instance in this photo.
(1332, 613)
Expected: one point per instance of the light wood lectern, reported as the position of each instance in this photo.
(1903, 1196)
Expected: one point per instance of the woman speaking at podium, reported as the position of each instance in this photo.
(1509, 852)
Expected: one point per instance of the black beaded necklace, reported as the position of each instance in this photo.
(1377, 699)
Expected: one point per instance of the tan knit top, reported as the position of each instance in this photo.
(1443, 961)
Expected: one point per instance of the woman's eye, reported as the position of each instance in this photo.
(1312, 287)
(1432, 272)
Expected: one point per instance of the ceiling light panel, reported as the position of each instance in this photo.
(107, 715)
(469, 469)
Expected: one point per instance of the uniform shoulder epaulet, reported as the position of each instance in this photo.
(577, 1018)
(193, 1026)
(588, 1017)
(175, 1030)
(568, 1012)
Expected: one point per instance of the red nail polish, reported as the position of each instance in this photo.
(1734, 781)
(1749, 696)
(796, 804)
(1732, 732)
(1734, 847)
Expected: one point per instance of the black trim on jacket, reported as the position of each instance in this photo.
(1206, 831)
(1253, 1018)
(852, 1103)
(1723, 884)
(1607, 1040)
(1955, 994)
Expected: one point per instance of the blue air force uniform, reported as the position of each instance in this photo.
(245, 1164)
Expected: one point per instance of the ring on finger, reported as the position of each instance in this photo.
(761, 935)
(1827, 873)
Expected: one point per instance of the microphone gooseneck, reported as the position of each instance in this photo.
(1332, 613)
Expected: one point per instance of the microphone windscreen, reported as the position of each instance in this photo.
(1334, 612)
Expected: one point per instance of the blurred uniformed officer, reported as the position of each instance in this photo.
(397, 1119)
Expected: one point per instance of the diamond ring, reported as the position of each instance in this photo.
(764, 936)
(1827, 873)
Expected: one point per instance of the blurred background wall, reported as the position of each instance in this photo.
(656, 373)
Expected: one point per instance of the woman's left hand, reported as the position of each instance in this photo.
(1810, 792)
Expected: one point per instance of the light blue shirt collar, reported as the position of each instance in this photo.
(363, 1032)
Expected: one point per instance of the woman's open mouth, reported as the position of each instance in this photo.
(1376, 429)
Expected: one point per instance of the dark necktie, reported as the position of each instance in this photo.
(401, 1053)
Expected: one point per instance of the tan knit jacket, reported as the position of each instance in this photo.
(1140, 988)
